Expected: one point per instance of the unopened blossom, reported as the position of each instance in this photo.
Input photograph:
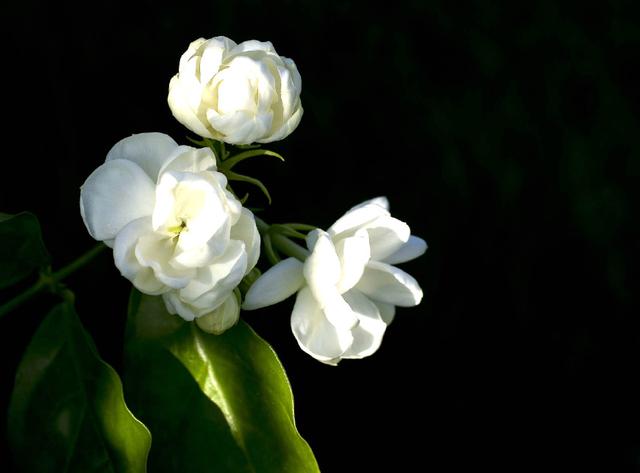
(236, 93)
(174, 228)
(348, 287)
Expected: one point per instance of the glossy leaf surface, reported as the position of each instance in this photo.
(213, 402)
(67, 410)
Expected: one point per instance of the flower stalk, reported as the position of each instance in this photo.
(289, 247)
(51, 281)
(276, 238)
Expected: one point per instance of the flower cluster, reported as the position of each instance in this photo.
(347, 287)
(178, 230)
(175, 228)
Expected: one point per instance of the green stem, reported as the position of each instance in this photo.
(223, 151)
(300, 226)
(263, 227)
(51, 280)
(22, 297)
(269, 252)
(274, 239)
(78, 263)
(288, 247)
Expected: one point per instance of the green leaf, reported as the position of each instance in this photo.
(67, 412)
(21, 248)
(229, 393)
(190, 432)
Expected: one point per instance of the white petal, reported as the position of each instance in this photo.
(295, 75)
(253, 45)
(286, 128)
(233, 207)
(387, 311)
(125, 259)
(164, 212)
(245, 230)
(195, 257)
(235, 86)
(367, 336)
(312, 238)
(322, 267)
(213, 53)
(275, 285)
(192, 200)
(115, 194)
(354, 254)
(147, 282)
(213, 283)
(410, 250)
(337, 311)
(176, 306)
(386, 236)
(182, 92)
(190, 53)
(355, 219)
(200, 256)
(150, 151)
(201, 205)
(289, 93)
(156, 251)
(323, 270)
(386, 283)
(221, 319)
(381, 201)
(237, 127)
(286, 108)
(314, 333)
(188, 159)
(124, 246)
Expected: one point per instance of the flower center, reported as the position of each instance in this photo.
(177, 229)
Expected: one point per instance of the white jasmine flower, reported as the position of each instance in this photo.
(348, 288)
(236, 93)
(174, 228)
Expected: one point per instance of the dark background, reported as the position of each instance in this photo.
(505, 134)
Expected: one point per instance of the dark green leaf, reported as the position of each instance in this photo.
(67, 411)
(190, 432)
(249, 403)
(21, 248)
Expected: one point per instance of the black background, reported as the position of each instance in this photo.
(505, 134)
